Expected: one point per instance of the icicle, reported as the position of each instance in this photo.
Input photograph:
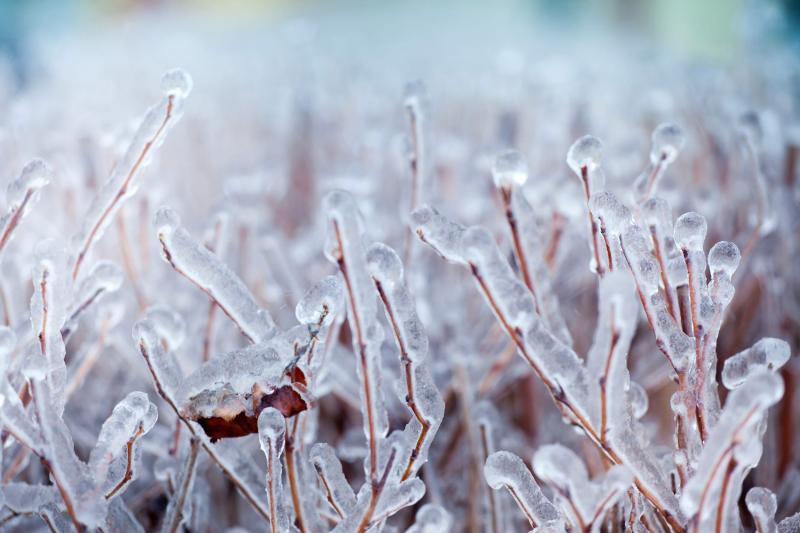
(762, 505)
(585, 502)
(271, 429)
(21, 196)
(506, 470)
(112, 459)
(766, 354)
(510, 172)
(200, 266)
(122, 183)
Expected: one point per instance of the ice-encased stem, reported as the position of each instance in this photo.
(175, 510)
(121, 184)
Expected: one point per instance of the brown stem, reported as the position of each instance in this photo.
(669, 292)
(556, 230)
(183, 491)
(363, 359)
(291, 474)
(14, 220)
(375, 495)
(408, 369)
(604, 379)
(129, 466)
(592, 222)
(506, 193)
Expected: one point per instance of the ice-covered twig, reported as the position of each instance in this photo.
(486, 417)
(131, 418)
(766, 354)
(422, 396)
(121, 184)
(415, 103)
(344, 247)
(215, 244)
(271, 432)
(199, 265)
(584, 158)
(338, 492)
(510, 173)
(667, 142)
(506, 470)
(732, 448)
(21, 196)
(175, 514)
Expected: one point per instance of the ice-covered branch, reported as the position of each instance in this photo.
(271, 430)
(584, 158)
(122, 183)
(667, 142)
(422, 396)
(199, 265)
(177, 513)
(21, 195)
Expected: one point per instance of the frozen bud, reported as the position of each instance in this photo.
(750, 126)
(690, 231)
(762, 505)
(724, 257)
(384, 264)
(656, 212)
(585, 152)
(166, 221)
(510, 168)
(176, 82)
(606, 206)
(668, 141)
(325, 297)
(767, 354)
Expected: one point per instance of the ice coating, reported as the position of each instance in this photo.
(690, 231)
(123, 181)
(322, 302)
(271, 430)
(586, 152)
(506, 470)
(21, 195)
(439, 232)
(178, 511)
(131, 418)
(329, 468)
(532, 247)
(105, 276)
(736, 429)
(657, 213)
(766, 354)
(177, 83)
(415, 95)
(724, 257)
(762, 505)
(510, 169)
(384, 264)
(668, 140)
(203, 268)
(614, 215)
(751, 128)
(431, 518)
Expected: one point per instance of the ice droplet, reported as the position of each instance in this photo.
(585, 152)
(176, 82)
(690, 231)
(668, 141)
(510, 168)
(724, 257)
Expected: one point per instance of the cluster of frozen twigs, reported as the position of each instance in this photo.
(387, 396)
